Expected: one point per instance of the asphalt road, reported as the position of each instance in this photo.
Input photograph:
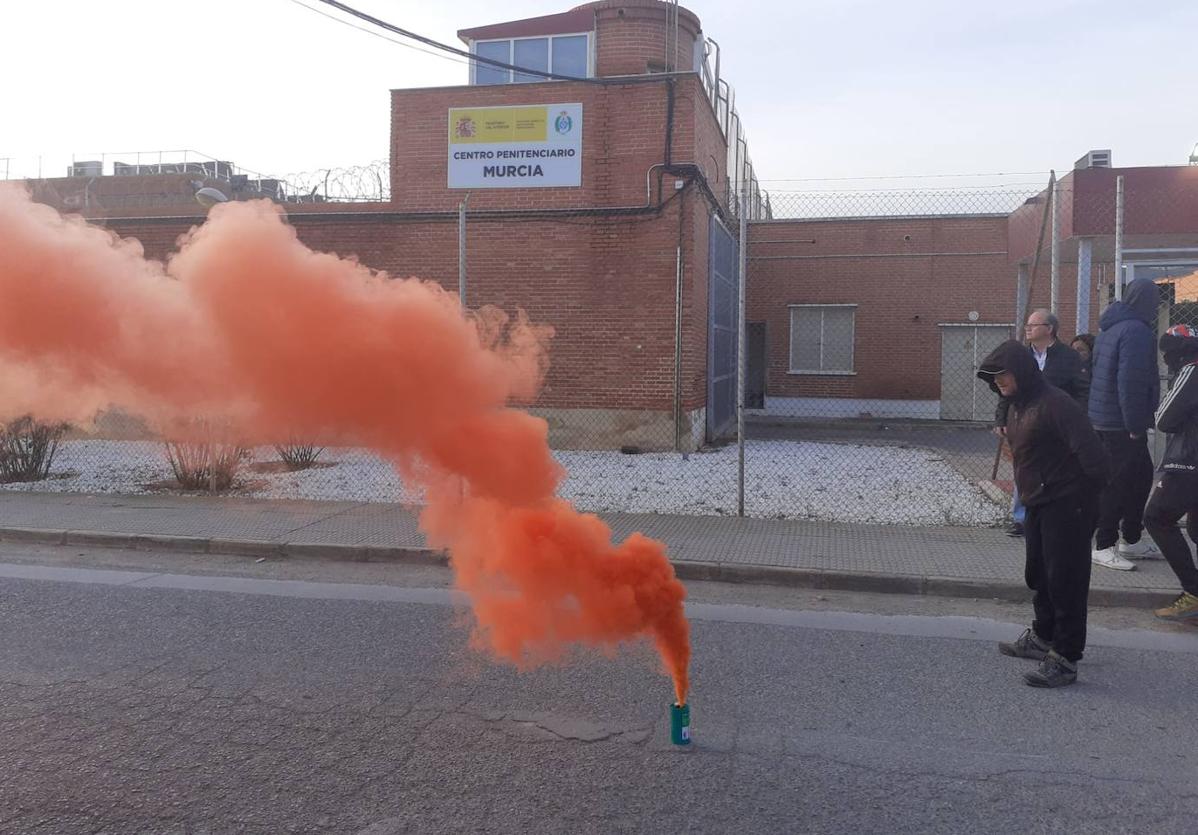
(231, 696)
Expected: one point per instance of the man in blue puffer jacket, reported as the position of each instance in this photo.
(1124, 393)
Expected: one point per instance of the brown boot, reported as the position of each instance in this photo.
(1184, 609)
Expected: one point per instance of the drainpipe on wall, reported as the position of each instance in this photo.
(669, 150)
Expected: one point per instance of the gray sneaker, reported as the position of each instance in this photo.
(1054, 671)
(1027, 645)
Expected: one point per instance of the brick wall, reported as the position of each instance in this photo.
(606, 282)
(1160, 211)
(624, 129)
(1158, 200)
(606, 285)
(906, 277)
(142, 192)
(631, 37)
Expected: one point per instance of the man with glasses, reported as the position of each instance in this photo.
(1061, 366)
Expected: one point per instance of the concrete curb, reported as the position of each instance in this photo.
(723, 572)
(232, 547)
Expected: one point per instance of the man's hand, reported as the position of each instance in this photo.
(1000, 431)
(1134, 436)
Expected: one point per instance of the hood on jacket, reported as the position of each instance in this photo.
(1014, 357)
(1140, 301)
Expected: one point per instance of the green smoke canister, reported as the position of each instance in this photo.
(680, 724)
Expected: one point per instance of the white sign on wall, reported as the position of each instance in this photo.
(524, 146)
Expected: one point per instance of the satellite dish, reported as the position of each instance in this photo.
(208, 197)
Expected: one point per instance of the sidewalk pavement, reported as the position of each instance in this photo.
(951, 562)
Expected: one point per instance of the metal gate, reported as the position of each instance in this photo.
(962, 348)
(721, 332)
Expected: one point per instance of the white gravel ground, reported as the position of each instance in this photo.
(783, 479)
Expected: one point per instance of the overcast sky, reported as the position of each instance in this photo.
(827, 88)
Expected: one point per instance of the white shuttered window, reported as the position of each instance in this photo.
(821, 338)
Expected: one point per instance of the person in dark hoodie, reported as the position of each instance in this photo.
(1060, 469)
(1061, 367)
(1083, 343)
(1176, 490)
(1124, 392)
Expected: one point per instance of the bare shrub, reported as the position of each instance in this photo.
(298, 455)
(27, 449)
(203, 457)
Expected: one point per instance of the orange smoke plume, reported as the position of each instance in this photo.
(248, 326)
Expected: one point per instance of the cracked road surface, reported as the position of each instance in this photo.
(144, 693)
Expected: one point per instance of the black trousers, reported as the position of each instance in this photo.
(1175, 495)
(1122, 507)
(1057, 537)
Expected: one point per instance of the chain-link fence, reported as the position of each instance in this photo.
(865, 317)
(869, 313)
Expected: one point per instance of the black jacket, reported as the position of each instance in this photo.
(1063, 368)
(1056, 451)
(1124, 381)
(1178, 416)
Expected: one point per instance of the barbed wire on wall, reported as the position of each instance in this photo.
(368, 183)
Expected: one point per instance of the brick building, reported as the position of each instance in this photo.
(1159, 238)
(865, 316)
(601, 200)
(888, 316)
(617, 259)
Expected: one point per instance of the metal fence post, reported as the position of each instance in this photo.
(462, 251)
(1021, 298)
(1119, 238)
(1085, 251)
(678, 349)
(743, 254)
(1054, 294)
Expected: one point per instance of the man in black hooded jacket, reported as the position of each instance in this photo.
(1060, 469)
(1124, 393)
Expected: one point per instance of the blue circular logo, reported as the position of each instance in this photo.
(563, 123)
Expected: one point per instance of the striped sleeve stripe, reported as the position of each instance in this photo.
(1181, 380)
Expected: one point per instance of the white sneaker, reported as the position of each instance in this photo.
(1108, 558)
(1145, 549)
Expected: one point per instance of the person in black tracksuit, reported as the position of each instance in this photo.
(1176, 490)
(1060, 469)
